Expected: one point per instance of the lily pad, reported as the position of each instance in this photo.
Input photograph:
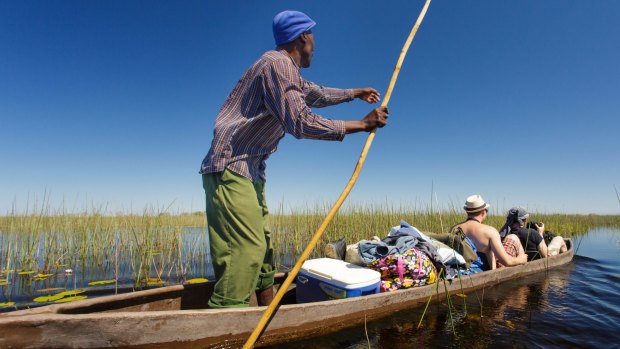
(43, 275)
(40, 277)
(44, 299)
(71, 299)
(26, 272)
(7, 271)
(70, 293)
(6, 304)
(4, 283)
(197, 281)
(101, 282)
(153, 282)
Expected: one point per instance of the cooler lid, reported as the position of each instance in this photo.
(340, 272)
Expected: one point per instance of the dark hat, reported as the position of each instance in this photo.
(288, 25)
(517, 214)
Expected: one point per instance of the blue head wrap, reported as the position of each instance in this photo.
(288, 25)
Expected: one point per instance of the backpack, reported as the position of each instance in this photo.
(457, 240)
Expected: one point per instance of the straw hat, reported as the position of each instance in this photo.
(475, 203)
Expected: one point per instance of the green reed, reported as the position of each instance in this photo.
(148, 246)
(293, 231)
(152, 245)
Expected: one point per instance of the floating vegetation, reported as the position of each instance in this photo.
(154, 282)
(43, 275)
(26, 272)
(45, 299)
(70, 293)
(197, 281)
(7, 271)
(4, 283)
(60, 296)
(40, 277)
(71, 299)
(6, 304)
(101, 282)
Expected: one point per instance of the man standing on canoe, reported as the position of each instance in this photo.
(270, 99)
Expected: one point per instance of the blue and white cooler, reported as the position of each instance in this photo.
(323, 279)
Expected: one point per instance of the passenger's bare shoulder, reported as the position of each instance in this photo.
(489, 230)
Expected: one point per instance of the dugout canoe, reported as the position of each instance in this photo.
(175, 316)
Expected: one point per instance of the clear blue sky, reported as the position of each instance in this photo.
(112, 103)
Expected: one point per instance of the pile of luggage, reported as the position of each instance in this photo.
(406, 257)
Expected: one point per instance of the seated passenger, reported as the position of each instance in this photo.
(486, 239)
(532, 239)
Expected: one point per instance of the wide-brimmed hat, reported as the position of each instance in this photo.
(475, 203)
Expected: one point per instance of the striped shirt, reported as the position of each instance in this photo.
(270, 99)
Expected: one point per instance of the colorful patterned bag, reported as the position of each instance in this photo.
(410, 269)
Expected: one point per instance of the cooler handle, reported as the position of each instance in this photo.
(312, 271)
(302, 279)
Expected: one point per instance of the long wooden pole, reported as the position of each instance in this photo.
(332, 212)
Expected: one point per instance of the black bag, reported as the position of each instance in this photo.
(548, 236)
(336, 249)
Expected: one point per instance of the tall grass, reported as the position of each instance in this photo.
(99, 246)
(357, 222)
(157, 245)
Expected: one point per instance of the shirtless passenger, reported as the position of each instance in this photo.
(486, 239)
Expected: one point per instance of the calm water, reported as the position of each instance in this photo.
(23, 289)
(575, 306)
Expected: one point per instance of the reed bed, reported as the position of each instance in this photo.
(139, 250)
(155, 245)
(293, 231)
(50, 250)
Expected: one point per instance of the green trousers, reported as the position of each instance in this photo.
(239, 238)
